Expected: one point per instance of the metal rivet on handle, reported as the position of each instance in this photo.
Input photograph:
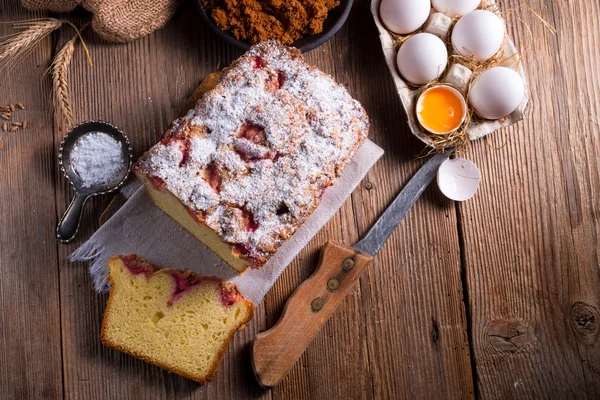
(317, 304)
(333, 284)
(347, 264)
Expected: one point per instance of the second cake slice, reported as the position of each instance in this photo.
(174, 319)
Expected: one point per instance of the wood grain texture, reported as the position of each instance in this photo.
(525, 248)
(531, 235)
(30, 359)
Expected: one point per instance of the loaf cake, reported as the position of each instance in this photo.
(171, 318)
(246, 167)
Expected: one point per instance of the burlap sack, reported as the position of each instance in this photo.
(116, 20)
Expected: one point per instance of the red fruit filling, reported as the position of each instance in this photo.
(253, 133)
(229, 297)
(183, 143)
(280, 77)
(183, 282)
(249, 221)
(244, 155)
(198, 216)
(186, 150)
(259, 62)
(240, 248)
(212, 177)
(158, 183)
(136, 265)
(169, 136)
(243, 251)
(276, 81)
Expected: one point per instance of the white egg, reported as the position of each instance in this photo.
(422, 58)
(478, 35)
(455, 8)
(458, 179)
(404, 16)
(496, 93)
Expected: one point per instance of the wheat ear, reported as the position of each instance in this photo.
(15, 46)
(60, 86)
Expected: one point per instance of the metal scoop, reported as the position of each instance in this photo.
(69, 223)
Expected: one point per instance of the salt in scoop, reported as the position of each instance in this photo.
(91, 171)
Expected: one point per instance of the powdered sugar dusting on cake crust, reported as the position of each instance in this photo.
(202, 150)
(255, 155)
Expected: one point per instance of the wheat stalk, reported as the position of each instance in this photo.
(60, 86)
(59, 69)
(14, 47)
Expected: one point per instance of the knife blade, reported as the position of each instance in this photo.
(379, 233)
(276, 350)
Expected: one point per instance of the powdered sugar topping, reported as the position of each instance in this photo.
(255, 155)
(97, 158)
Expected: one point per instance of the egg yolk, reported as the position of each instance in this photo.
(441, 110)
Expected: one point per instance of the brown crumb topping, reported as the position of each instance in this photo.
(260, 20)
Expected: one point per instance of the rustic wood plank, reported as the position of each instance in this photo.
(531, 234)
(379, 343)
(531, 268)
(30, 357)
(140, 87)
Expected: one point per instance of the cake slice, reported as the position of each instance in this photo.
(174, 319)
(245, 168)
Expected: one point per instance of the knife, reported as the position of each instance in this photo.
(276, 350)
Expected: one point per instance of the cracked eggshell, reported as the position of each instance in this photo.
(496, 93)
(455, 8)
(422, 58)
(478, 35)
(404, 16)
(458, 179)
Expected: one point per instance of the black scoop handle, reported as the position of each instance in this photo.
(69, 223)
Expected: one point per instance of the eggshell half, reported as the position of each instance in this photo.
(458, 179)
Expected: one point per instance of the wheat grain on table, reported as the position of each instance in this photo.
(496, 298)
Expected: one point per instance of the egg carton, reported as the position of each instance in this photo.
(456, 75)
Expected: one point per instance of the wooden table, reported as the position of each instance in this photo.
(497, 297)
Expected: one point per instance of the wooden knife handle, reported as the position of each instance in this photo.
(275, 351)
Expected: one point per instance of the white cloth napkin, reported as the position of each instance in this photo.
(141, 228)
